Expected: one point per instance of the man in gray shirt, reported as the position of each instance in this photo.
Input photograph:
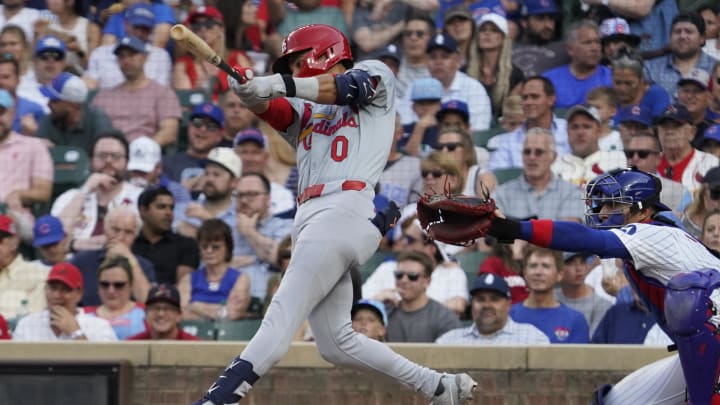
(417, 318)
(538, 192)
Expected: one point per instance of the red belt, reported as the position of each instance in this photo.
(316, 189)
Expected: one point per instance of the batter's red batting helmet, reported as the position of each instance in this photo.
(322, 40)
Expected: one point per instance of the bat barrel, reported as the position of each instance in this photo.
(178, 32)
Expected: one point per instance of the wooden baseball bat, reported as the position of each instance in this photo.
(195, 45)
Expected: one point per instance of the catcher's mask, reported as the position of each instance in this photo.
(321, 40)
(622, 188)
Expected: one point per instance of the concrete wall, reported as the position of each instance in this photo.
(175, 373)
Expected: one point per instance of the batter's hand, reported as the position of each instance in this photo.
(258, 90)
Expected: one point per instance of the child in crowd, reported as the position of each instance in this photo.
(605, 100)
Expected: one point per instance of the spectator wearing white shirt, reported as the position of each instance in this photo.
(491, 318)
(444, 64)
(14, 12)
(103, 67)
(63, 320)
(47, 63)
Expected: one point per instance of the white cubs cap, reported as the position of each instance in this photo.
(145, 154)
(227, 158)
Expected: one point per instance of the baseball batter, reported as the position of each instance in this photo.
(673, 273)
(340, 118)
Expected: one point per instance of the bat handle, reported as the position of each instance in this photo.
(241, 77)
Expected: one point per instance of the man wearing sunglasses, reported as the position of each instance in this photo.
(140, 106)
(103, 67)
(47, 63)
(417, 318)
(643, 152)
(205, 132)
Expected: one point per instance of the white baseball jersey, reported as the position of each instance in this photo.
(661, 252)
(336, 143)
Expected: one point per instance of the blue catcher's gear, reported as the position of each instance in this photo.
(623, 187)
(688, 313)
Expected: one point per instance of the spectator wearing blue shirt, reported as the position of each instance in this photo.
(27, 113)
(624, 323)
(161, 15)
(560, 323)
(420, 137)
(632, 88)
(687, 36)
(584, 72)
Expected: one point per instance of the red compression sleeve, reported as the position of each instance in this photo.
(542, 232)
(279, 114)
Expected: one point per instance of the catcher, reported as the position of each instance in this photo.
(674, 274)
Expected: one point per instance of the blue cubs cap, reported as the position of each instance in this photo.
(48, 230)
(569, 255)
(250, 135)
(50, 43)
(209, 110)
(372, 305)
(134, 43)
(390, 51)
(442, 41)
(539, 7)
(426, 89)
(66, 87)
(491, 282)
(6, 100)
(634, 113)
(140, 15)
(712, 133)
(454, 106)
(674, 112)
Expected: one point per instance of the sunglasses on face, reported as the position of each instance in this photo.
(534, 152)
(715, 194)
(417, 33)
(435, 173)
(207, 24)
(51, 55)
(450, 146)
(642, 153)
(198, 122)
(117, 285)
(410, 276)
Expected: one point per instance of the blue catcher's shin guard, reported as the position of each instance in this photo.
(232, 385)
(688, 309)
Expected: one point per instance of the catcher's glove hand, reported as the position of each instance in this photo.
(456, 219)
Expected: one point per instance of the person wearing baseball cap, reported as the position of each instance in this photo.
(419, 137)
(163, 315)
(693, 92)
(13, 267)
(144, 18)
(208, 23)
(369, 318)
(71, 121)
(49, 238)
(49, 60)
(680, 161)
(492, 323)
(146, 169)
(453, 113)
(574, 292)
(586, 161)
(389, 55)
(710, 141)
(633, 120)
(223, 169)
(615, 34)
(63, 320)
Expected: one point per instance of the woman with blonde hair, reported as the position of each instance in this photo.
(14, 42)
(458, 146)
(191, 72)
(705, 199)
(490, 60)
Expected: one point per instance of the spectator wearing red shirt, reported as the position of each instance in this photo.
(162, 315)
(506, 261)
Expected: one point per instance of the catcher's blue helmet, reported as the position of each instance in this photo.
(631, 187)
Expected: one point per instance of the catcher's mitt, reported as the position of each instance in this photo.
(456, 219)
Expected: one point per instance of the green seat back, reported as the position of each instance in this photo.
(367, 268)
(505, 175)
(72, 168)
(237, 330)
(470, 263)
(204, 330)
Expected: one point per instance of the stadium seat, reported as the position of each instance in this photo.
(204, 330)
(470, 263)
(237, 330)
(373, 262)
(255, 308)
(72, 168)
(190, 98)
(481, 138)
(505, 175)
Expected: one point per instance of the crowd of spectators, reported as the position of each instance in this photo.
(185, 211)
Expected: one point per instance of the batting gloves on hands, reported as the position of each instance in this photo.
(259, 89)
